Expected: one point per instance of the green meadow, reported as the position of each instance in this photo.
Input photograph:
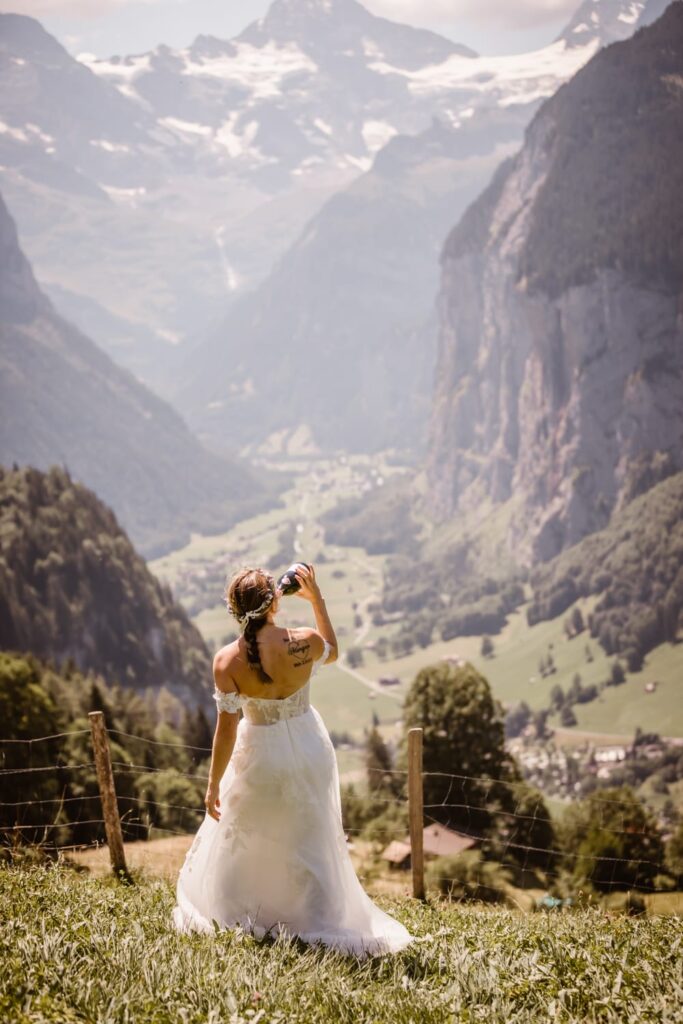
(76, 949)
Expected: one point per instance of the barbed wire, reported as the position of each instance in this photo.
(46, 768)
(499, 812)
(158, 743)
(49, 800)
(52, 736)
(560, 854)
(64, 824)
(503, 845)
(133, 769)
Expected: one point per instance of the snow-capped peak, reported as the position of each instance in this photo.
(602, 21)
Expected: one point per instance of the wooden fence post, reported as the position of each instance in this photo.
(110, 807)
(415, 811)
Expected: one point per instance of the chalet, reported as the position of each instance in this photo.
(437, 841)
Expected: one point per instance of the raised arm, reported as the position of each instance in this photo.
(310, 591)
(224, 736)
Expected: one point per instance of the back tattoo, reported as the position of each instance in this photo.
(300, 651)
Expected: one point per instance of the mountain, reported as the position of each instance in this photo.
(301, 92)
(349, 307)
(560, 366)
(607, 21)
(72, 587)
(152, 190)
(652, 10)
(347, 315)
(62, 400)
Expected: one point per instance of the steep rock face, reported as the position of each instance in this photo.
(560, 367)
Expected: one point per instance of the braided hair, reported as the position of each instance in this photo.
(249, 596)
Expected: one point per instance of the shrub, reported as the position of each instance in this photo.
(468, 877)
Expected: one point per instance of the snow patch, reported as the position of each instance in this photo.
(371, 49)
(260, 70)
(363, 163)
(127, 90)
(35, 130)
(187, 127)
(631, 15)
(123, 194)
(127, 69)
(232, 278)
(376, 134)
(170, 336)
(583, 27)
(238, 143)
(323, 126)
(110, 147)
(517, 77)
(15, 133)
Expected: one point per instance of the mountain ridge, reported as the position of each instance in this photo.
(65, 401)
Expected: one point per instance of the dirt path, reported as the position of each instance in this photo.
(370, 683)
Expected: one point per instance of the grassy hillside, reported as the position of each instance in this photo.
(514, 675)
(76, 949)
(635, 568)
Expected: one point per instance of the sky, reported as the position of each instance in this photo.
(108, 27)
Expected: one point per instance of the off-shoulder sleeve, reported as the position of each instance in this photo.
(231, 702)
(319, 662)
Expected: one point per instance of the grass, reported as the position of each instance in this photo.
(514, 675)
(78, 949)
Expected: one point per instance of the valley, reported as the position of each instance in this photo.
(349, 694)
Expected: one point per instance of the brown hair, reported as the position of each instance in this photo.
(247, 591)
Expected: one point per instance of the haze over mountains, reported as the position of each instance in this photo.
(63, 401)
(350, 307)
(127, 176)
(153, 190)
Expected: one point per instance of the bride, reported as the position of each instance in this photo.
(270, 855)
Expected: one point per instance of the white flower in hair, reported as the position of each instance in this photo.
(255, 612)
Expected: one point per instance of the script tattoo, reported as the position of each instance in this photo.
(299, 650)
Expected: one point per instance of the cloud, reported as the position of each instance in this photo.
(498, 14)
(71, 8)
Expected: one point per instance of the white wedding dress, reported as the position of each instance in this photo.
(277, 860)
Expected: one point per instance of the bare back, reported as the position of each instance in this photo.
(287, 655)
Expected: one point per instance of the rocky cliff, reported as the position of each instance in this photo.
(560, 365)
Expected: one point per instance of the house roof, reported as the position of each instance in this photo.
(397, 851)
(437, 841)
(440, 841)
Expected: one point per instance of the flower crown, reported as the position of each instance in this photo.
(255, 613)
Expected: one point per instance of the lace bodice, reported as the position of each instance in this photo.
(268, 710)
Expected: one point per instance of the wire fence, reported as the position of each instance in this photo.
(466, 802)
